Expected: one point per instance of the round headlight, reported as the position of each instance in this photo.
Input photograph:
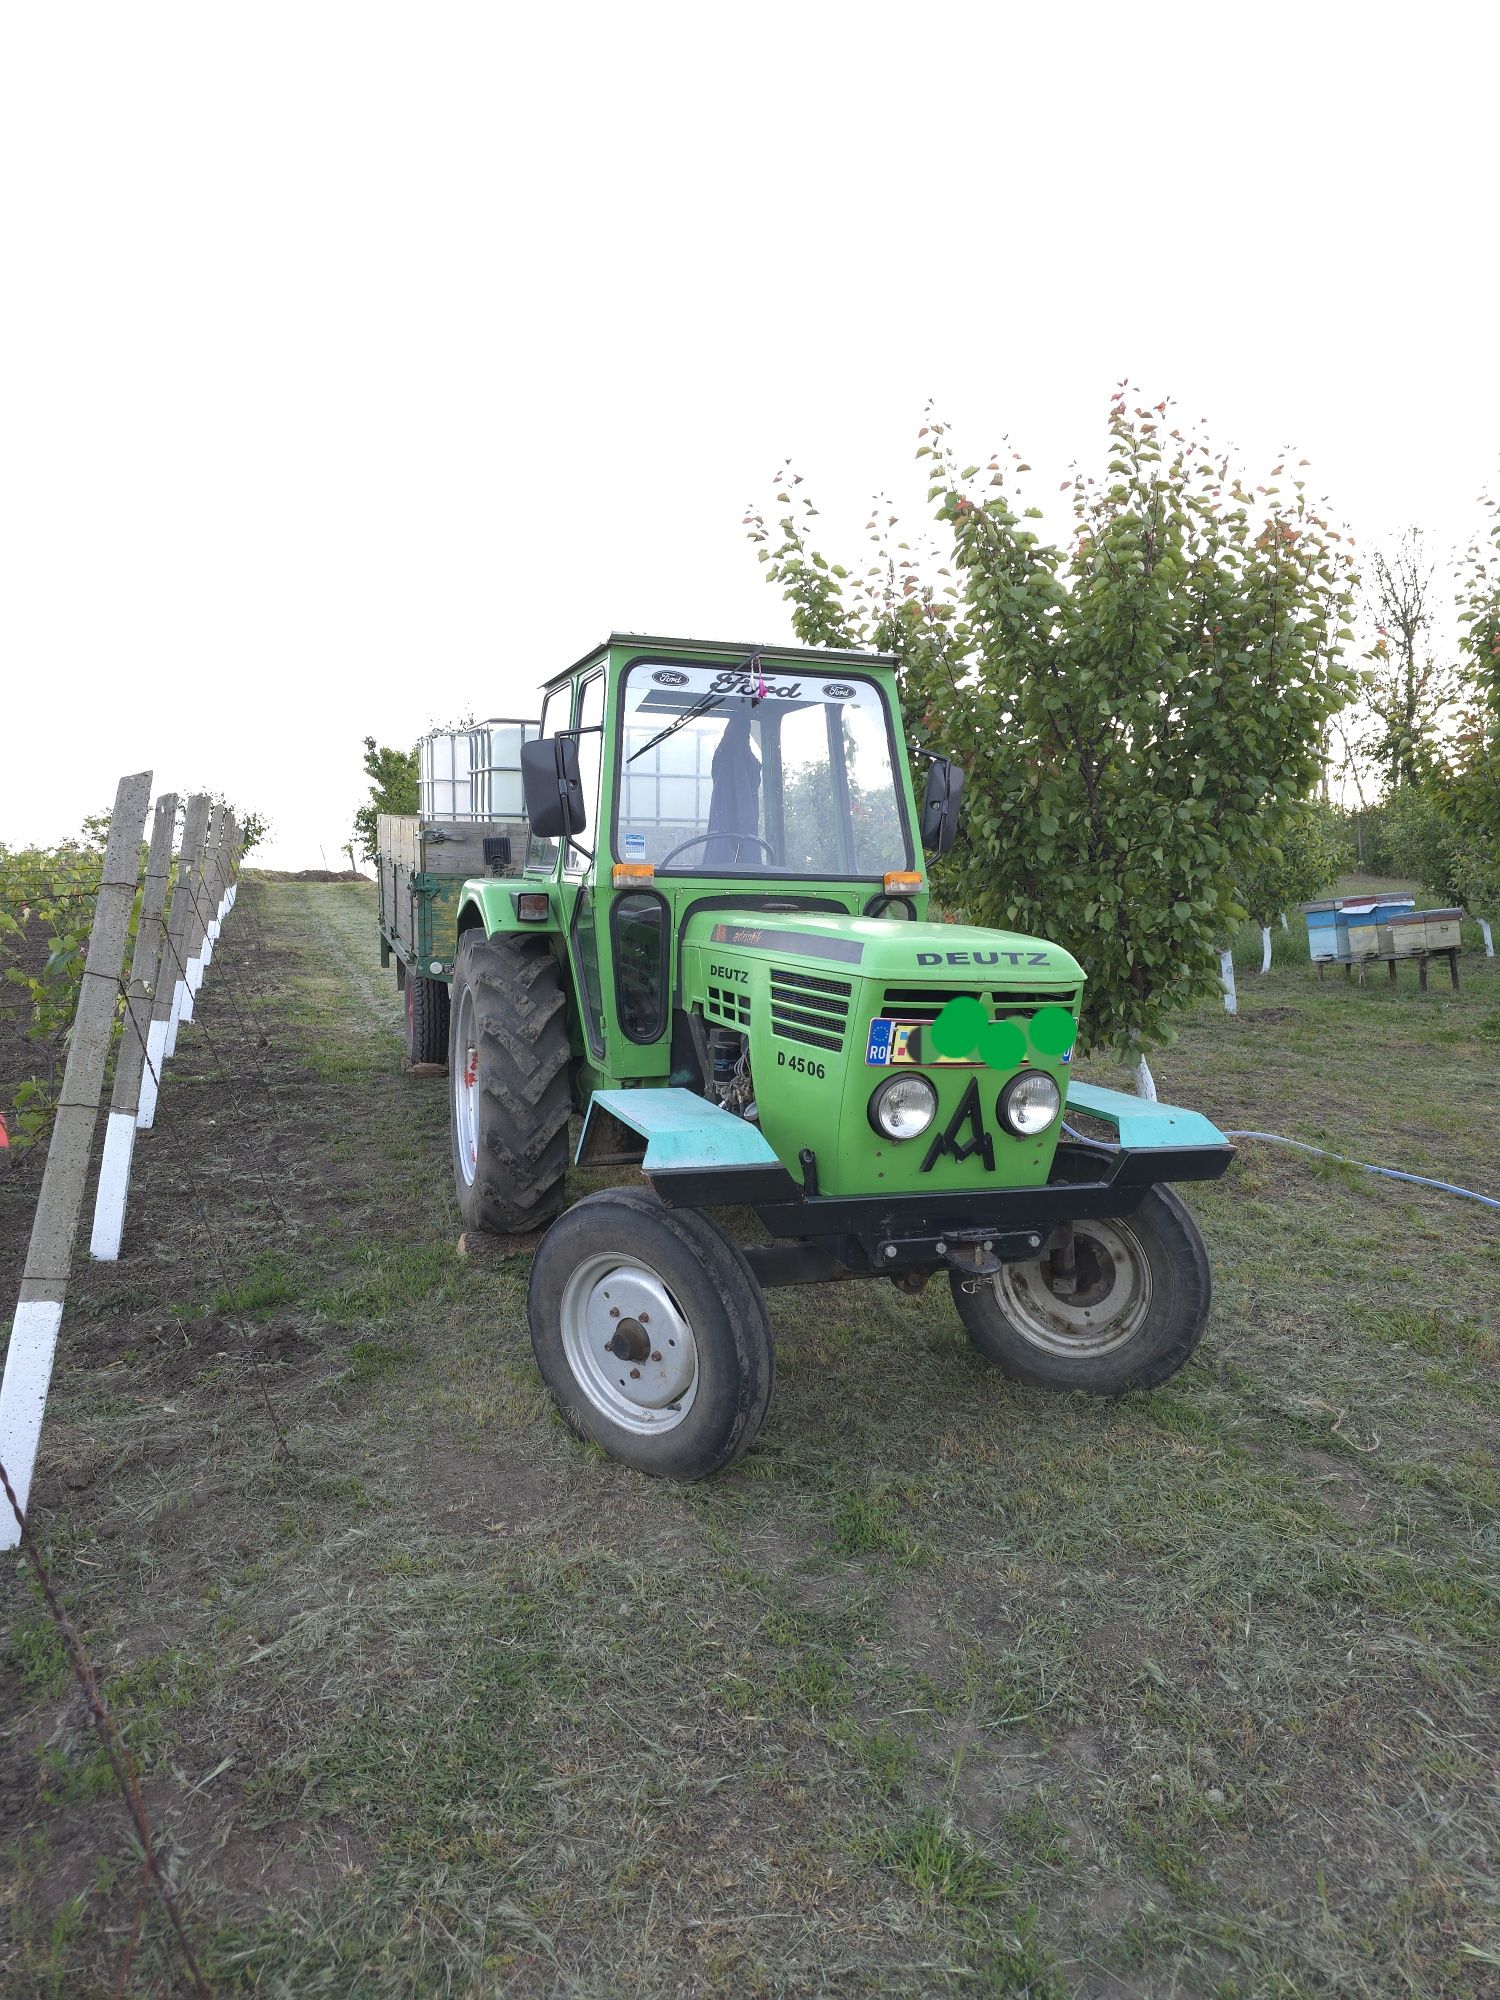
(902, 1107)
(1028, 1104)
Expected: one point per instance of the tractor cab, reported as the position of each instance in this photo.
(670, 779)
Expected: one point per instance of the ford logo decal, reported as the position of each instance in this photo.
(838, 690)
(670, 678)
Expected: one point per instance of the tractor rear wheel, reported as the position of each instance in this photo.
(1127, 1315)
(652, 1334)
(508, 1061)
(426, 1017)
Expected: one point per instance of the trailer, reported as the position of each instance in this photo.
(471, 821)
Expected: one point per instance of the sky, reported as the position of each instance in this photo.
(361, 366)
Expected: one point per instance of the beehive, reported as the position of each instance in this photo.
(1441, 928)
(1322, 936)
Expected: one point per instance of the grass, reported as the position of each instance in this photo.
(948, 1687)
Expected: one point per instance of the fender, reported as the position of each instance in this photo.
(488, 903)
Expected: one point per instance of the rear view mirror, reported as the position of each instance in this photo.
(945, 788)
(551, 786)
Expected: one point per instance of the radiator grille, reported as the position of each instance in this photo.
(809, 1009)
(925, 1003)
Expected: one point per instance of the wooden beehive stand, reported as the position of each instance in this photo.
(178, 925)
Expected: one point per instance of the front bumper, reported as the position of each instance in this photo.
(886, 1234)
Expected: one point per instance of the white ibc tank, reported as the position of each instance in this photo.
(474, 773)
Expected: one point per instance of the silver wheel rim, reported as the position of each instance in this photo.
(628, 1344)
(1111, 1305)
(466, 1088)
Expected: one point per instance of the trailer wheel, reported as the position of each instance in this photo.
(426, 1018)
(508, 1083)
(652, 1334)
(1141, 1294)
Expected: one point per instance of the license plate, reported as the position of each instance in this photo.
(894, 1042)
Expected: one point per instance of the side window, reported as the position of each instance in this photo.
(639, 919)
(590, 762)
(541, 855)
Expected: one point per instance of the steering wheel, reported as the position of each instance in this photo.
(696, 839)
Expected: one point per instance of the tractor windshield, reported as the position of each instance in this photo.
(739, 772)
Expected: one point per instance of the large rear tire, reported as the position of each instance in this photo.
(652, 1334)
(509, 1099)
(426, 1018)
(1140, 1299)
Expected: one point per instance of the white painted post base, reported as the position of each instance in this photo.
(1284, 924)
(182, 1010)
(1145, 1082)
(1265, 947)
(195, 967)
(1226, 975)
(1489, 937)
(156, 1055)
(23, 1400)
(114, 1185)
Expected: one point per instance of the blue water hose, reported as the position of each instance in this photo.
(1389, 1173)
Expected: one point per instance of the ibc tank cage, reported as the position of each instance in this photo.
(473, 773)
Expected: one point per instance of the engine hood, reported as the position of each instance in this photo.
(877, 948)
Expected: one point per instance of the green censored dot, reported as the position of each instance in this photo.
(1002, 1044)
(957, 1029)
(1053, 1031)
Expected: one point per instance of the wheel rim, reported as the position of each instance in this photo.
(1109, 1307)
(466, 1088)
(629, 1345)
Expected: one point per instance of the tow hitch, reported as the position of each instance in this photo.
(973, 1253)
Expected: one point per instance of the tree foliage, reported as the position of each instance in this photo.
(1299, 863)
(1139, 709)
(1409, 687)
(393, 789)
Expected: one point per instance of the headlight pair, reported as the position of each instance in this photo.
(902, 1107)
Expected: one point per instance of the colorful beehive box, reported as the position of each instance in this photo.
(1322, 930)
(1408, 934)
(1387, 909)
(1442, 929)
(1357, 928)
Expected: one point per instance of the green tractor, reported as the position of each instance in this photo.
(717, 952)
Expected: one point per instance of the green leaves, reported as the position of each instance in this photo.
(1140, 712)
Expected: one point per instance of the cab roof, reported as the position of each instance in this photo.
(646, 642)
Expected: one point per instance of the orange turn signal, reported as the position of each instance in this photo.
(901, 879)
(632, 871)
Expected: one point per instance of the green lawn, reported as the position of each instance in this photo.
(948, 1687)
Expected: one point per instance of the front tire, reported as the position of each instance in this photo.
(1142, 1289)
(652, 1333)
(509, 1100)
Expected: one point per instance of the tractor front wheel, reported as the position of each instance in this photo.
(652, 1334)
(1120, 1308)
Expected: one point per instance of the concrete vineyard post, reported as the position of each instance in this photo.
(147, 970)
(44, 1283)
(169, 987)
(197, 929)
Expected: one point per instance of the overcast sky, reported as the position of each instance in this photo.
(360, 366)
